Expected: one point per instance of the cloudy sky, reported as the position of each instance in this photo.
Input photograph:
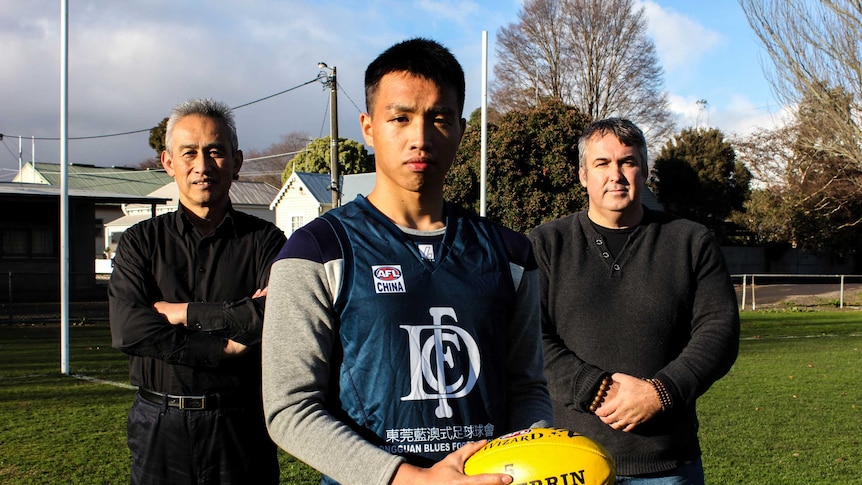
(131, 61)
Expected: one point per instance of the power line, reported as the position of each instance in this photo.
(279, 93)
(255, 159)
(323, 122)
(7, 147)
(91, 137)
(326, 108)
(351, 100)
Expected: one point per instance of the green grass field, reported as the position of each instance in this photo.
(789, 410)
(787, 413)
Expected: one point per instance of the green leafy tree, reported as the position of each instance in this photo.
(352, 158)
(697, 176)
(463, 179)
(157, 143)
(767, 216)
(532, 173)
(157, 137)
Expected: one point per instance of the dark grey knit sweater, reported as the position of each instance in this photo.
(663, 308)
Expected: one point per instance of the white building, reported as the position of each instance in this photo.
(250, 197)
(305, 196)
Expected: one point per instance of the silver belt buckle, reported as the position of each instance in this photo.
(193, 402)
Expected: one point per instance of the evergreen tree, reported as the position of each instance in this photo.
(316, 158)
(697, 176)
(532, 173)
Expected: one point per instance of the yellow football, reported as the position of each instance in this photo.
(545, 455)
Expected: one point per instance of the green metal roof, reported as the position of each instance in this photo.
(17, 192)
(119, 180)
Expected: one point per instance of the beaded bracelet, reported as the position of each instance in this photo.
(663, 394)
(600, 396)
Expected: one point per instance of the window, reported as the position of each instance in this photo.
(296, 222)
(14, 242)
(27, 241)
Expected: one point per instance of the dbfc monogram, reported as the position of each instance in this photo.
(433, 351)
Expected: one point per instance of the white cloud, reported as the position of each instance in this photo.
(680, 41)
(743, 117)
(131, 61)
(738, 117)
(685, 110)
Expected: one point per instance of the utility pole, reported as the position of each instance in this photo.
(331, 81)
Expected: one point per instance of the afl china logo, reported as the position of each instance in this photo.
(388, 279)
(387, 273)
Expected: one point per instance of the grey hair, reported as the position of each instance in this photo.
(203, 107)
(626, 132)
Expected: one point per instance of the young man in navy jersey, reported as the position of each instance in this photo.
(402, 331)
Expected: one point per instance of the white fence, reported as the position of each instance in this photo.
(749, 284)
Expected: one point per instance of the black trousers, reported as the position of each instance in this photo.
(213, 447)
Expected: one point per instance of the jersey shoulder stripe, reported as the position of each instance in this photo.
(518, 248)
(316, 241)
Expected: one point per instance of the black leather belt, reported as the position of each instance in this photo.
(189, 403)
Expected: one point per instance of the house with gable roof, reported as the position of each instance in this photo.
(30, 252)
(122, 180)
(113, 217)
(245, 196)
(92, 178)
(305, 196)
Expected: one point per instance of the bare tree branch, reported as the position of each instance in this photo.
(815, 50)
(591, 54)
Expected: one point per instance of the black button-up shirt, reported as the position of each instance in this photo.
(167, 259)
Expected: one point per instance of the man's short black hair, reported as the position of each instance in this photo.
(626, 132)
(420, 57)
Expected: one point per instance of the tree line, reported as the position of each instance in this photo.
(564, 63)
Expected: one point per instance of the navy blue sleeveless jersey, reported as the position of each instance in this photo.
(422, 343)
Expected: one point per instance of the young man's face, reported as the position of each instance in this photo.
(415, 127)
(202, 162)
(613, 176)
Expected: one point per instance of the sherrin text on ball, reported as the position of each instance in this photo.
(545, 456)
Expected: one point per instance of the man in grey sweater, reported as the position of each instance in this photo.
(639, 315)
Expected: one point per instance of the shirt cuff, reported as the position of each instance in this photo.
(205, 317)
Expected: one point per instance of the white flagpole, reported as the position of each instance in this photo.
(483, 168)
(64, 187)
